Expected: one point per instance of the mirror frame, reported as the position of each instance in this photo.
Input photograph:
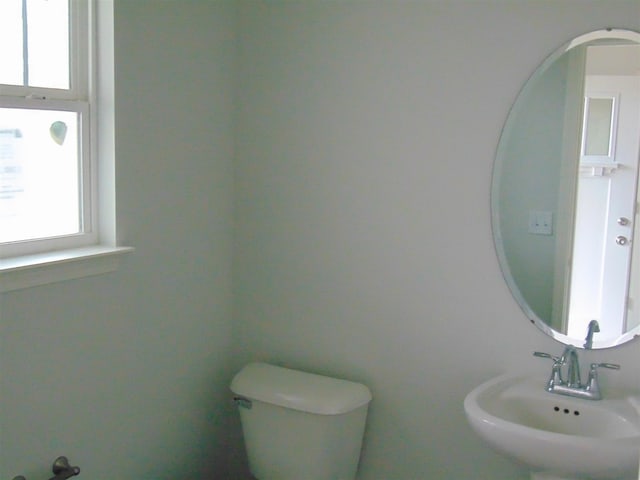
(613, 34)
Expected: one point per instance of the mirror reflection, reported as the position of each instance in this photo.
(565, 192)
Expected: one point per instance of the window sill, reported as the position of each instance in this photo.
(31, 270)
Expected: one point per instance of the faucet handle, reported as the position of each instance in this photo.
(593, 386)
(547, 355)
(612, 366)
(556, 375)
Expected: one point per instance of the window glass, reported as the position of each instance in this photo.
(39, 174)
(34, 35)
(11, 41)
(598, 126)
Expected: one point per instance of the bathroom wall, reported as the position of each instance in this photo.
(127, 373)
(363, 249)
(365, 134)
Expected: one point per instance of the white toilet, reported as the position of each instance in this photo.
(298, 425)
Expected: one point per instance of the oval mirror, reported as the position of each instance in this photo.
(564, 196)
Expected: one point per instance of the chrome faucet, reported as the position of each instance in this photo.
(594, 327)
(573, 385)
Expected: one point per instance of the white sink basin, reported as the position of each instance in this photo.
(554, 435)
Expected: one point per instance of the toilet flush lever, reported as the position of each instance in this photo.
(62, 470)
(243, 402)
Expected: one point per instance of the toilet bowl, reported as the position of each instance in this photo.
(298, 425)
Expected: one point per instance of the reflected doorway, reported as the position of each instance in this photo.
(601, 285)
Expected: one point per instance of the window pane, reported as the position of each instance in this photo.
(48, 43)
(39, 174)
(11, 41)
(42, 26)
(598, 125)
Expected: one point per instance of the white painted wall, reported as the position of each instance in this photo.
(365, 138)
(126, 373)
(363, 249)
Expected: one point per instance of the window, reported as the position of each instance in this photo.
(53, 186)
(46, 160)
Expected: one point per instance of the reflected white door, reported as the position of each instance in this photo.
(605, 208)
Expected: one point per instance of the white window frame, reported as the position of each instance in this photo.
(94, 251)
(78, 98)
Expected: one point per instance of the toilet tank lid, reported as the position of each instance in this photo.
(298, 390)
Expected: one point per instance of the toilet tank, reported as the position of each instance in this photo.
(298, 425)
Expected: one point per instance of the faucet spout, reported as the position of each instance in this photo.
(594, 327)
(570, 358)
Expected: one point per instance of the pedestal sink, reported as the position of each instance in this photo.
(556, 436)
